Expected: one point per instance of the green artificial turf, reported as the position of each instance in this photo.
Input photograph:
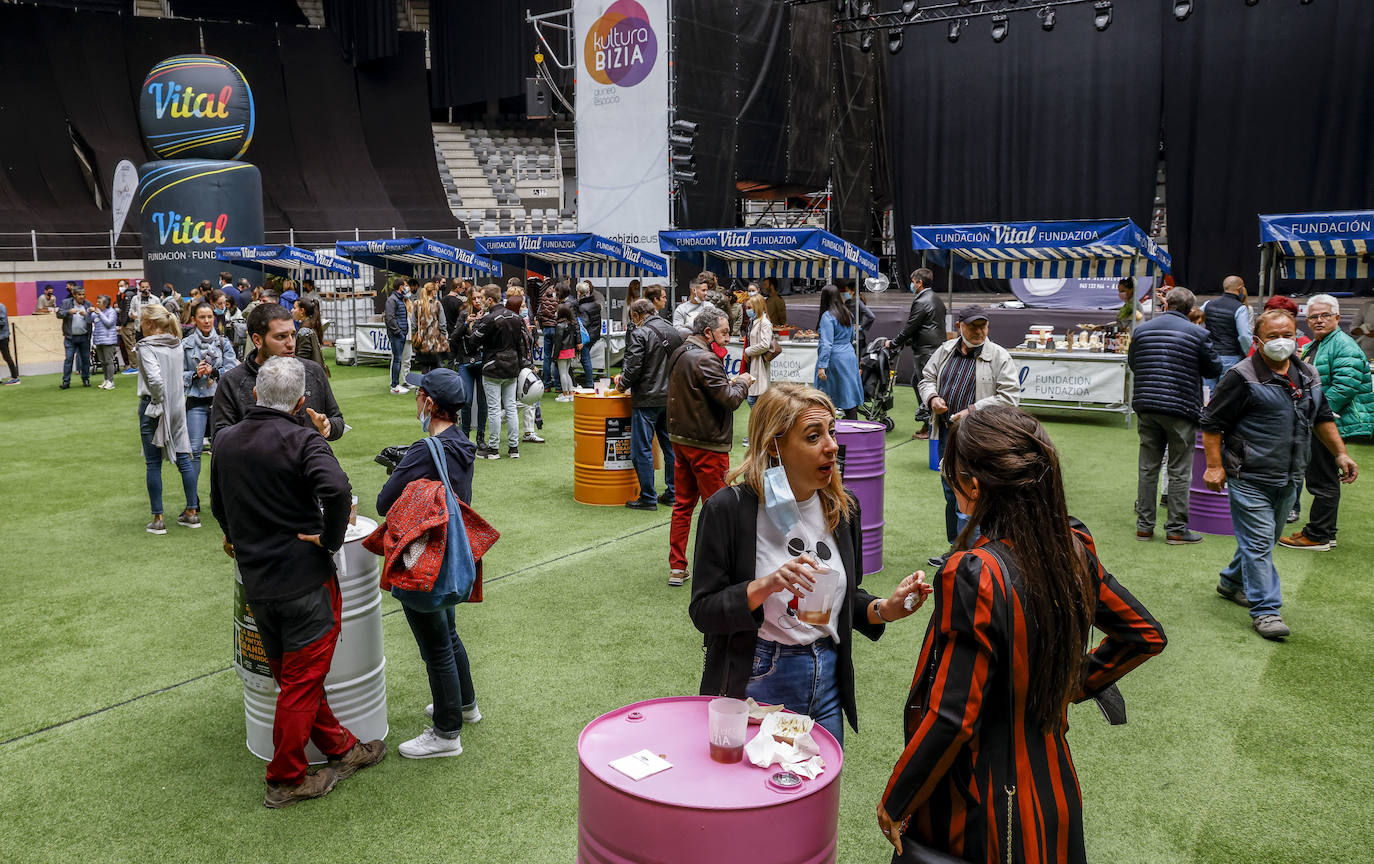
(122, 732)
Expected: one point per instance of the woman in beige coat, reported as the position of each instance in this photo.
(760, 340)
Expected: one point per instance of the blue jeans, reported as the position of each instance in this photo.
(954, 520)
(152, 459)
(197, 420)
(587, 364)
(501, 403)
(1227, 361)
(1259, 514)
(471, 373)
(550, 368)
(80, 348)
(398, 348)
(446, 662)
(801, 678)
(645, 425)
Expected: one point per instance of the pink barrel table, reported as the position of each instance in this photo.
(698, 810)
(863, 462)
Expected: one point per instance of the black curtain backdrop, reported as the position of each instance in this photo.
(1046, 125)
(1267, 109)
(391, 101)
(483, 49)
(286, 12)
(778, 104)
(366, 29)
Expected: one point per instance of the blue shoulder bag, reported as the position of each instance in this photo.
(459, 572)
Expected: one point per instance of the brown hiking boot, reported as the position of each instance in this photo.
(361, 756)
(315, 785)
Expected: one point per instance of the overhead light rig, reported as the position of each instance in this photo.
(860, 16)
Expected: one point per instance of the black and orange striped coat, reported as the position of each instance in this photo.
(949, 783)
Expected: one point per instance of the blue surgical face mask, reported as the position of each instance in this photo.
(778, 501)
(424, 420)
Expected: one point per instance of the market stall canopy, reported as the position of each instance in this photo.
(790, 253)
(576, 256)
(287, 260)
(418, 256)
(1320, 245)
(1086, 248)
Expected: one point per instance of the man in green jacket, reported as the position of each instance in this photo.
(1344, 371)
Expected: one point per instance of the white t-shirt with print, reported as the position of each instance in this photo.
(780, 623)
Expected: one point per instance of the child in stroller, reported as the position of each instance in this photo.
(878, 372)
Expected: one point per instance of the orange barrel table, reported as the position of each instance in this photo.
(603, 472)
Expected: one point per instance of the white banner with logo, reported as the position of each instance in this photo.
(1055, 378)
(796, 363)
(622, 119)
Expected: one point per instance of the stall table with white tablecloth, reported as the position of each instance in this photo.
(1075, 380)
(796, 363)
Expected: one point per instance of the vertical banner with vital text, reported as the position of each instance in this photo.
(622, 119)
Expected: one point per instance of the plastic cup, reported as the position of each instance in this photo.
(727, 723)
(353, 511)
(815, 608)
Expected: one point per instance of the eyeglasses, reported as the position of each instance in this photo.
(1320, 316)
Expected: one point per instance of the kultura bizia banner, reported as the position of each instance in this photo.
(196, 112)
(622, 119)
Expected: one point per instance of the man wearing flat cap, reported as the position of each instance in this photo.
(963, 375)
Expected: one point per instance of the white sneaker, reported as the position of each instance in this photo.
(429, 746)
(397, 390)
(532, 438)
(563, 397)
(470, 715)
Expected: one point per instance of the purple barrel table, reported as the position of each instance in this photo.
(698, 810)
(863, 461)
(1208, 511)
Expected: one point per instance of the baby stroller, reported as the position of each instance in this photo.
(878, 371)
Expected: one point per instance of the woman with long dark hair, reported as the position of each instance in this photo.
(837, 364)
(307, 314)
(1006, 651)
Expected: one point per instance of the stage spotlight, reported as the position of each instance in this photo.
(953, 33)
(1102, 14)
(1305, 2)
(999, 28)
(866, 9)
(1182, 9)
(1047, 17)
(910, 6)
(894, 40)
(866, 43)
(1251, 2)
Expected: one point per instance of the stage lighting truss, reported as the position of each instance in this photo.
(853, 16)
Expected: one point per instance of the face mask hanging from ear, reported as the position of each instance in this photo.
(778, 501)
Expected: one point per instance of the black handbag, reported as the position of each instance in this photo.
(918, 853)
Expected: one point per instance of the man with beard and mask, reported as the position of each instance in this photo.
(1257, 432)
(272, 333)
(702, 399)
(963, 375)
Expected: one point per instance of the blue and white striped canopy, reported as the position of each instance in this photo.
(576, 256)
(1079, 249)
(1321, 245)
(419, 257)
(287, 260)
(791, 253)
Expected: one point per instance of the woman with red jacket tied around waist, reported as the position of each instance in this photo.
(991, 674)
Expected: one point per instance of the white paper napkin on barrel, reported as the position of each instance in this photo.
(802, 756)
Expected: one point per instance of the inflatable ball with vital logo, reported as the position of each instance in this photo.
(195, 106)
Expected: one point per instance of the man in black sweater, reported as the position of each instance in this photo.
(283, 502)
(273, 334)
